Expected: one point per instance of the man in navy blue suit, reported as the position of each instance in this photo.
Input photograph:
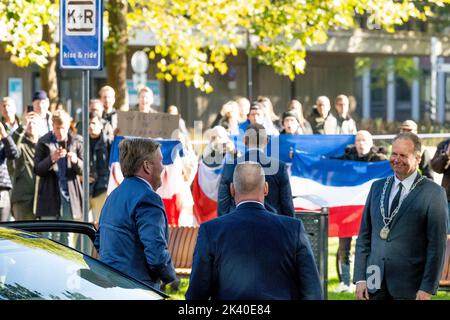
(133, 232)
(251, 253)
(279, 198)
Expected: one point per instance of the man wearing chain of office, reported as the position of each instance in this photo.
(401, 243)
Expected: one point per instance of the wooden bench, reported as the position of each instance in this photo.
(182, 242)
(444, 283)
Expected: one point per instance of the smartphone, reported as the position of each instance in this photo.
(62, 144)
(30, 109)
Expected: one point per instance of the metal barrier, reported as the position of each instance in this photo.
(316, 225)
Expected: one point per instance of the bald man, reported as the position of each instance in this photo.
(321, 119)
(253, 254)
(363, 149)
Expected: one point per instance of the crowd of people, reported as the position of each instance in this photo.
(41, 160)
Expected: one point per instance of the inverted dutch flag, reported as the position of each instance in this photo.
(205, 189)
(340, 185)
(172, 176)
(280, 146)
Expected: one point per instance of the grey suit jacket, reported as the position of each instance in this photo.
(412, 256)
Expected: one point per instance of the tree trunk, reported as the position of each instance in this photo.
(116, 47)
(49, 78)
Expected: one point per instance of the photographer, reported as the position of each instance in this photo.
(219, 148)
(24, 179)
(58, 164)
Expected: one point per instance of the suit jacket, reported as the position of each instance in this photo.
(133, 233)
(412, 256)
(252, 253)
(279, 199)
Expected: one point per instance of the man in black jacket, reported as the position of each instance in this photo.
(24, 179)
(100, 145)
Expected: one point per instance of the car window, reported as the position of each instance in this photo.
(36, 268)
(80, 242)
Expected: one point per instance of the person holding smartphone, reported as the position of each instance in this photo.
(58, 162)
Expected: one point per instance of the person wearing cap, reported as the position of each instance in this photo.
(425, 161)
(441, 164)
(291, 124)
(41, 104)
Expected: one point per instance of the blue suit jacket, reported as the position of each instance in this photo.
(133, 233)
(412, 256)
(252, 253)
(279, 199)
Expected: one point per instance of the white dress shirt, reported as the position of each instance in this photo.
(247, 201)
(407, 184)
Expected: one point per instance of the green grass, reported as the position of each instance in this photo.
(332, 279)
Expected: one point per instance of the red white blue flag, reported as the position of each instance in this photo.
(172, 177)
(340, 185)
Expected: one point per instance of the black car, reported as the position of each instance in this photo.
(32, 266)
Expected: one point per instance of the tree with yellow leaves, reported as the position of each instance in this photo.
(195, 37)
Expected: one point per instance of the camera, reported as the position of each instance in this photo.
(30, 108)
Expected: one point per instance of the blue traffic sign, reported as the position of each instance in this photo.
(81, 36)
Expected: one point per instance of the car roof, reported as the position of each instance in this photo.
(14, 240)
(11, 233)
(28, 240)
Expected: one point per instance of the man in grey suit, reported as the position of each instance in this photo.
(401, 243)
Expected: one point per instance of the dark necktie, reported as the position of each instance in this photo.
(396, 199)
